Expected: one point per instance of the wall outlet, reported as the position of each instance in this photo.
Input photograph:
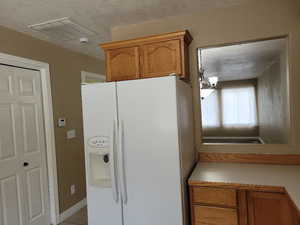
(73, 189)
(71, 134)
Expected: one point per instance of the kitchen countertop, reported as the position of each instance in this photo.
(281, 178)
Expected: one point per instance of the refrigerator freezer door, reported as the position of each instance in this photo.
(100, 131)
(148, 113)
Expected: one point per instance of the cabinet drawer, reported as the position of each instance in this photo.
(204, 215)
(214, 196)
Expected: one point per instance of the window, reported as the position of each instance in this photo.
(239, 107)
(233, 107)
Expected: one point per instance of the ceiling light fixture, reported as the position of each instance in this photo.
(209, 82)
(213, 80)
(207, 85)
(84, 40)
(205, 82)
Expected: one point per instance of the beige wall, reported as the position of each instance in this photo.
(250, 21)
(272, 104)
(65, 68)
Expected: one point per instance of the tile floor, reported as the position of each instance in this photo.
(80, 218)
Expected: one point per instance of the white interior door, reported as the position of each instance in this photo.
(23, 172)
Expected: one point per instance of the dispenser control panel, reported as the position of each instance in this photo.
(99, 142)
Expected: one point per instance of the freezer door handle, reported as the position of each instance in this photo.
(113, 163)
(122, 162)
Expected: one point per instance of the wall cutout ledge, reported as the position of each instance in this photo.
(286, 159)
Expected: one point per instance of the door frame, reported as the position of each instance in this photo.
(48, 123)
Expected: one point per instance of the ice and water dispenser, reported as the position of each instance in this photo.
(98, 153)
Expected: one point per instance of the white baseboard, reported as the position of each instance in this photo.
(72, 210)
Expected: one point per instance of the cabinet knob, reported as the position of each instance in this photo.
(25, 164)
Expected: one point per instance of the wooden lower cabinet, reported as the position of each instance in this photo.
(270, 209)
(240, 207)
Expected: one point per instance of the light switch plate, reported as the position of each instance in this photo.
(71, 134)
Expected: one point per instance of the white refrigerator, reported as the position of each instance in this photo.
(139, 151)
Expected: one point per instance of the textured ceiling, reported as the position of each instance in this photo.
(97, 15)
(241, 61)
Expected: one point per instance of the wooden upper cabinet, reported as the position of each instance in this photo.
(122, 64)
(161, 58)
(152, 56)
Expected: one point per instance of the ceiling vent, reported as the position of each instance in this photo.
(62, 29)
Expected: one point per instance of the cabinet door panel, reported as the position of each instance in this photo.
(269, 209)
(123, 64)
(161, 59)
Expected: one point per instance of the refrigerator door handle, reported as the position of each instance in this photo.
(122, 162)
(113, 163)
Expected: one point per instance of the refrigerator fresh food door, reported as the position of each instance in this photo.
(100, 136)
(149, 156)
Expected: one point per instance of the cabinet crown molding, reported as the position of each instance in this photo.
(148, 39)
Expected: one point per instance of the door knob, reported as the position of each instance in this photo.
(25, 164)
